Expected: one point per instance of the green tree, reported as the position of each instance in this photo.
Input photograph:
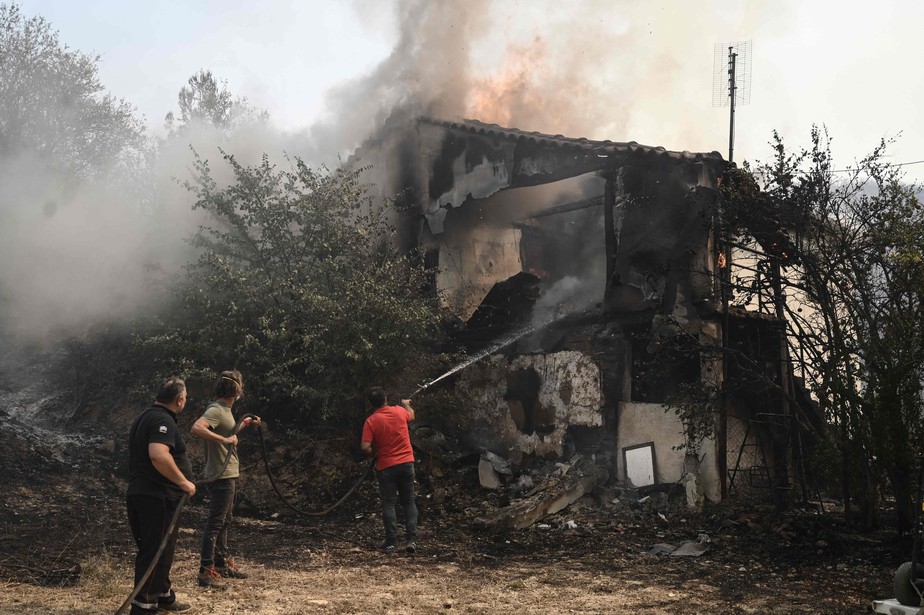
(53, 106)
(298, 285)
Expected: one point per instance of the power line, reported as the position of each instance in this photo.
(897, 164)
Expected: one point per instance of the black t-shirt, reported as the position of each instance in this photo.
(156, 424)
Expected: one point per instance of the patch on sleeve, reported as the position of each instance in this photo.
(162, 429)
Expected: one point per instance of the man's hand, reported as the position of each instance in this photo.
(366, 447)
(248, 421)
(189, 488)
(231, 440)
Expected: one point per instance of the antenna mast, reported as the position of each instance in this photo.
(731, 84)
(736, 88)
(732, 56)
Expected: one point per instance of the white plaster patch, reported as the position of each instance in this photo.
(481, 181)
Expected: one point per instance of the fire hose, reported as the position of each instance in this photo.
(208, 481)
(321, 513)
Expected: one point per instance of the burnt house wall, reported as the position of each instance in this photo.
(660, 220)
(617, 238)
(654, 236)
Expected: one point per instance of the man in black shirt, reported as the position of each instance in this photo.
(158, 476)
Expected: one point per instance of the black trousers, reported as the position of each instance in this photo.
(148, 518)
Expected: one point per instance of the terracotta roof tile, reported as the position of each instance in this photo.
(561, 141)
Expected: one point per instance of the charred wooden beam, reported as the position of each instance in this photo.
(594, 201)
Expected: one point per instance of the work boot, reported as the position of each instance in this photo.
(230, 571)
(173, 607)
(209, 577)
(167, 602)
(388, 548)
(410, 546)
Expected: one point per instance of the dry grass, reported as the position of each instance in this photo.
(101, 577)
(352, 581)
(388, 585)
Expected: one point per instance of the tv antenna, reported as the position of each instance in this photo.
(731, 82)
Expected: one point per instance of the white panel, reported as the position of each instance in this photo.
(640, 466)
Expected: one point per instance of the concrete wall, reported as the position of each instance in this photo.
(640, 423)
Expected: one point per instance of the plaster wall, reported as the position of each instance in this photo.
(471, 264)
(569, 391)
(640, 423)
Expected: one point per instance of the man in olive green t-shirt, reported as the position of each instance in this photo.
(216, 427)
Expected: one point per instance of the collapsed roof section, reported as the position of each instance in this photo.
(475, 160)
(622, 226)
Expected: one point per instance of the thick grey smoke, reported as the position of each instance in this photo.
(74, 252)
(427, 73)
(64, 248)
(78, 252)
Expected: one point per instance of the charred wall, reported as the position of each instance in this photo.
(617, 242)
(524, 405)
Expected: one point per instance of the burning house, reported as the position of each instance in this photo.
(572, 263)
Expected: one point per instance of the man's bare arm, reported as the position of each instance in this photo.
(202, 430)
(407, 406)
(164, 463)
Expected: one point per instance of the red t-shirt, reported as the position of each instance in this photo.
(387, 429)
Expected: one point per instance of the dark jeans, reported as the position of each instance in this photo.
(394, 481)
(215, 533)
(148, 518)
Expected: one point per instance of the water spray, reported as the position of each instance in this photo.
(506, 341)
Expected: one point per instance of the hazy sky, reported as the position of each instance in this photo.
(649, 65)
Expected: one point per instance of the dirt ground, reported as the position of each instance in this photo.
(332, 567)
(66, 549)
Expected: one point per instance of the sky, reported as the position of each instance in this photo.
(603, 69)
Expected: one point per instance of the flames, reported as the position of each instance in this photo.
(512, 97)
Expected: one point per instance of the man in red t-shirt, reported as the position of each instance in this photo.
(386, 438)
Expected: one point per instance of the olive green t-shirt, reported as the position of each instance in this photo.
(221, 420)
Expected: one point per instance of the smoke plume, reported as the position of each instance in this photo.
(77, 251)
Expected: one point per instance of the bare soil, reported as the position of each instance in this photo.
(65, 547)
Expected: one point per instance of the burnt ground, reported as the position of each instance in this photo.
(65, 547)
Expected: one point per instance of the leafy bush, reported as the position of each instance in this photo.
(298, 284)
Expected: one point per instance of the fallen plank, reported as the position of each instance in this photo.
(555, 497)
